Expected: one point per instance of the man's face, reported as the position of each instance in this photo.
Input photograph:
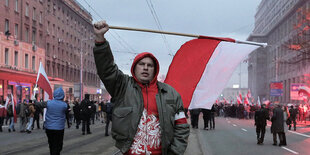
(145, 70)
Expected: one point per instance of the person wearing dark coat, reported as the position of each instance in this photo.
(108, 109)
(293, 115)
(261, 116)
(76, 113)
(206, 118)
(194, 117)
(212, 113)
(277, 126)
(38, 111)
(86, 112)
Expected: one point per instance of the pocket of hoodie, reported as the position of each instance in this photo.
(121, 121)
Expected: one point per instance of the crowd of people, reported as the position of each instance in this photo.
(29, 114)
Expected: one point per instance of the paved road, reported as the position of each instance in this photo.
(238, 137)
(75, 143)
(16, 143)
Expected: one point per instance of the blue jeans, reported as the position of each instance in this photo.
(11, 123)
(29, 125)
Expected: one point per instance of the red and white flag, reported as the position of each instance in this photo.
(202, 67)
(240, 96)
(11, 101)
(43, 82)
(249, 94)
(239, 101)
(246, 100)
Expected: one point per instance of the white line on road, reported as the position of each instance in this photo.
(234, 125)
(299, 134)
(228, 121)
(289, 150)
(244, 129)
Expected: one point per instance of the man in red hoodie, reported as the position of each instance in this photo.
(148, 116)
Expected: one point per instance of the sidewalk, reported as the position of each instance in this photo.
(194, 145)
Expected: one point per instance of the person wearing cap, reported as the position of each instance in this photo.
(261, 116)
(148, 116)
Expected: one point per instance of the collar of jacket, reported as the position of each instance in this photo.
(161, 87)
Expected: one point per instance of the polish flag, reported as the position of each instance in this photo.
(202, 67)
(240, 96)
(43, 82)
(249, 94)
(13, 103)
(246, 100)
(239, 99)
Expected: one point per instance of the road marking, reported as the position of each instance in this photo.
(289, 150)
(299, 134)
(228, 121)
(234, 125)
(244, 129)
(5, 126)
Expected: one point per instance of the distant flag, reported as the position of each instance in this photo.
(249, 94)
(246, 100)
(240, 96)
(202, 67)
(13, 102)
(43, 82)
(238, 99)
(258, 101)
(224, 100)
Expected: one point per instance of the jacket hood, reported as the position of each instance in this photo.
(59, 94)
(141, 56)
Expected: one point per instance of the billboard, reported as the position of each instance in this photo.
(294, 91)
(276, 88)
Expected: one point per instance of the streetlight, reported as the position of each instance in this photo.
(81, 72)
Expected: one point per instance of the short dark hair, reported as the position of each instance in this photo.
(87, 96)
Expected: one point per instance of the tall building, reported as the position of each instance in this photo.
(57, 33)
(284, 25)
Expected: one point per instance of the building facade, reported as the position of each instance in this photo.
(284, 25)
(57, 33)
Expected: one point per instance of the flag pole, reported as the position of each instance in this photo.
(179, 34)
(153, 31)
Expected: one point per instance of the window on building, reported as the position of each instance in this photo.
(27, 35)
(26, 60)
(6, 2)
(27, 10)
(34, 36)
(16, 58)
(40, 18)
(16, 31)
(6, 26)
(48, 48)
(16, 5)
(33, 63)
(34, 14)
(6, 56)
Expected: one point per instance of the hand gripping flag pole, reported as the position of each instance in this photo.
(202, 67)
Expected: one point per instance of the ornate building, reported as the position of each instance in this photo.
(57, 33)
(284, 25)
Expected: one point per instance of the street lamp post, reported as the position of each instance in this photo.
(81, 69)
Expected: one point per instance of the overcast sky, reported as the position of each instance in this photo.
(219, 18)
